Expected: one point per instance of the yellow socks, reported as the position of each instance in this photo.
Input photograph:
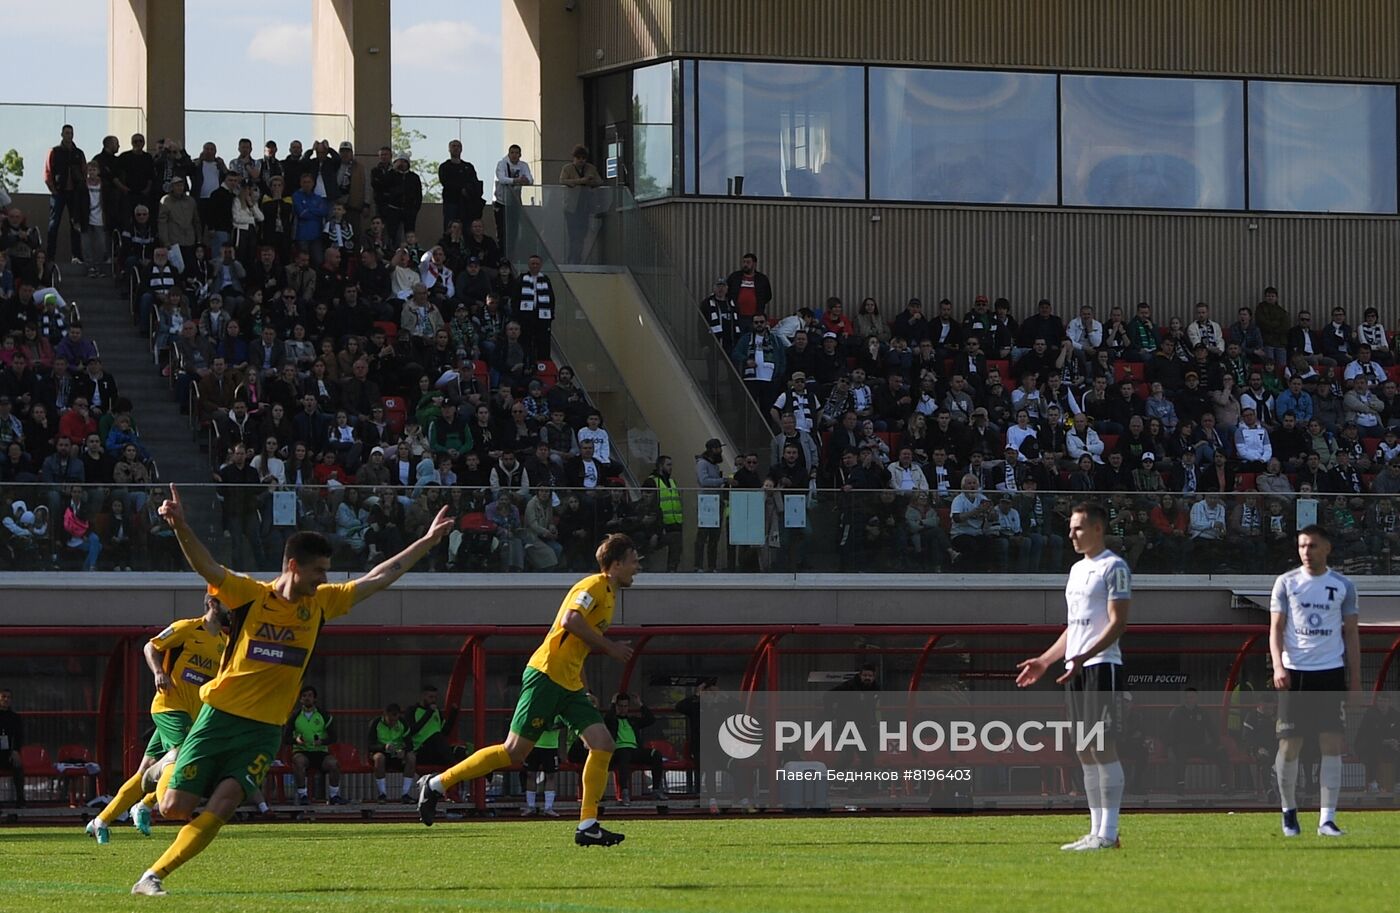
(479, 764)
(595, 780)
(164, 783)
(189, 843)
(128, 795)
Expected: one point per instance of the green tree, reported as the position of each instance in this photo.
(11, 170)
(405, 138)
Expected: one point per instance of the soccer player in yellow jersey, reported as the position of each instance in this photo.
(272, 632)
(552, 686)
(182, 658)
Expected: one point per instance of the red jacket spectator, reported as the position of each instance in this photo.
(77, 425)
(835, 320)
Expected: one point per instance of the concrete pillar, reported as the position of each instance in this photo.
(539, 79)
(146, 63)
(350, 68)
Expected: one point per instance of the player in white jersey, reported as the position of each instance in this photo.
(1316, 648)
(1098, 594)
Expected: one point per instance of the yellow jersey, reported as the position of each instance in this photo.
(270, 643)
(562, 654)
(192, 657)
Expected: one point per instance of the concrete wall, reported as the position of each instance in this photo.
(675, 410)
(155, 599)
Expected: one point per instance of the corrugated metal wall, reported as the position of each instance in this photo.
(1352, 39)
(811, 251)
(626, 31)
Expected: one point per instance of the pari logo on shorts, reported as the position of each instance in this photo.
(741, 736)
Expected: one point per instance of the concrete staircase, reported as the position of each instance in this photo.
(126, 356)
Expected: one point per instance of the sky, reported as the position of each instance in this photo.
(445, 56)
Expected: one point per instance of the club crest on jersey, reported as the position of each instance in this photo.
(303, 613)
(276, 633)
(189, 771)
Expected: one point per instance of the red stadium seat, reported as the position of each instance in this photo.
(547, 372)
(36, 761)
(81, 784)
(391, 330)
(1134, 369)
(1393, 373)
(1245, 481)
(1000, 365)
(1110, 442)
(349, 758)
(395, 413)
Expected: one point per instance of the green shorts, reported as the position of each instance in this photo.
(542, 699)
(222, 746)
(171, 728)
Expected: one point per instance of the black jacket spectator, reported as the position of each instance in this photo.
(1296, 337)
(762, 288)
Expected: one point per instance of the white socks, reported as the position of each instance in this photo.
(1111, 781)
(1103, 788)
(530, 799)
(435, 784)
(301, 793)
(549, 800)
(381, 785)
(263, 807)
(1287, 772)
(1330, 779)
(407, 785)
(1093, 793)
(332, 792)
(586, 823)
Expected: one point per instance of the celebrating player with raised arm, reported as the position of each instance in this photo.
(273, 630)
(552, 686)
(1316, 648)
(1098, 594)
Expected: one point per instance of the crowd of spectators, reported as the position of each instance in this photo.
(319, 344)
(1201, 439)
(63, 419)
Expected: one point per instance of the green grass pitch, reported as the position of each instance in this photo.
(1201, 863)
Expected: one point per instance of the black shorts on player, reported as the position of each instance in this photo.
(315, 760)
(1092, 696)
(1314, 703)
(542, 760)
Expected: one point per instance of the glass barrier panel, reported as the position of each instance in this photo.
(783, 526)
(32, 130)
(484, 143)
(605, 227)
(226, 128)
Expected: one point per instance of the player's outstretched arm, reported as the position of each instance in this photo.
(1117, 623)
(578, 626)
(383, 576)
(200, 561)
(1032, 669)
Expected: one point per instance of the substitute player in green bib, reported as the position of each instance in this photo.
(272, 633)
(552, 686)
(182, 658)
